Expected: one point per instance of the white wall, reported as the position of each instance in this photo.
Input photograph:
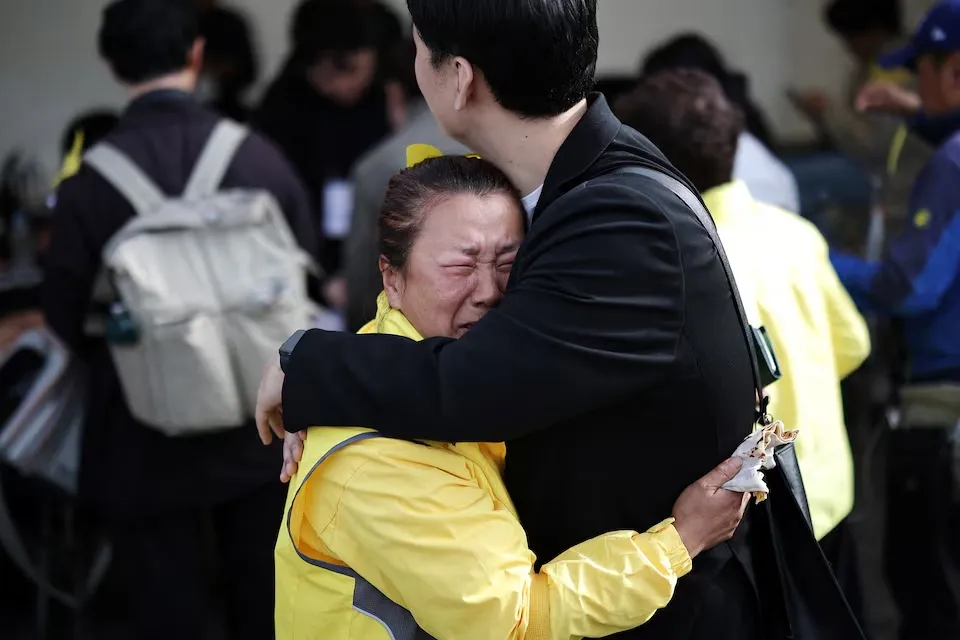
(50, 71)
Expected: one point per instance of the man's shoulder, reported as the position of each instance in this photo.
(936, 184)
(614, 192)
(947, 157)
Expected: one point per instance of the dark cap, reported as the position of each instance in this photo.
(939, 31)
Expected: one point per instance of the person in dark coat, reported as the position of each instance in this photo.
(157, 493)
(327, 108)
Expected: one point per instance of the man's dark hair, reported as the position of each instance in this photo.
(693, 51)
(538, 56)
(687, 115)
(850, 17)
(147, 39)
(685, 51)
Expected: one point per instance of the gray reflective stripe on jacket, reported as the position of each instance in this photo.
(367, 599)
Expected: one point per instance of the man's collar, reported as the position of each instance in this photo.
(160, 96)
(935, 130)
(592, 135)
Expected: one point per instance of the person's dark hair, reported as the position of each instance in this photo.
(95, 125)
(686, 114)
(333, 28)
(539, 57)
(147, 39)
(415, 190)
(685, 51)
(850, 17)
(694, 51)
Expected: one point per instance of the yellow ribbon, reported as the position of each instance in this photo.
(417, 153)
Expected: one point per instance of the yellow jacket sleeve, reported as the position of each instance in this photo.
(427, 534)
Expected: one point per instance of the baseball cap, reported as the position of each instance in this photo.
(938, 31)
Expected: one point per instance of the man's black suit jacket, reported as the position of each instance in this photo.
(615, 368)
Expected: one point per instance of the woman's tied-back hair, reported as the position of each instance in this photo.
(687, 115)
(415, 190)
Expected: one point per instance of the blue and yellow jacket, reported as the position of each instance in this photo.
(919, 281)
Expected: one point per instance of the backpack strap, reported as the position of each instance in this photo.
(214, 160)
(126, 177)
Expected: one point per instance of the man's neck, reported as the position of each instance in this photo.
(524, 148)
(184, 81)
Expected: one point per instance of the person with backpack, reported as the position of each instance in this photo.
(180, 251)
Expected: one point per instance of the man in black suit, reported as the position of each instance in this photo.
(616, 367)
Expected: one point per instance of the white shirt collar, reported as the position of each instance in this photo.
(530, 202)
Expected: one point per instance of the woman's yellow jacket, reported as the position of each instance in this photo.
(386, 538)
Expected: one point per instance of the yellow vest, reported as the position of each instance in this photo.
(316, 597)
(787, 283)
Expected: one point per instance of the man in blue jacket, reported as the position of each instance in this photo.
(919, 282)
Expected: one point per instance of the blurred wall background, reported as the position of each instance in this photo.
(50, 70)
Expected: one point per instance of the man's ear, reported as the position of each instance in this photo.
(392, 283)
(466, 83)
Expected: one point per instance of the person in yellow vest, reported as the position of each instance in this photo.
(388, 539)
(787, 283)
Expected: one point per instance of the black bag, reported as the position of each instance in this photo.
(810, 602)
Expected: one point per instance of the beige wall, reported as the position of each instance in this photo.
(50, 71)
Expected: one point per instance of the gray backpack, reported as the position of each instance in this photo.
(213, 281)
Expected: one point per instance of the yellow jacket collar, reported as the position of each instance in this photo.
(728, 203)
(390, 321)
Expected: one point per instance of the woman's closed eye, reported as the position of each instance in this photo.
(461, 269)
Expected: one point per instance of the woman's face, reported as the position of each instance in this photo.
(459, 264)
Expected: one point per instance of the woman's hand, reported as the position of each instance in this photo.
(292, 454)
(705, 513)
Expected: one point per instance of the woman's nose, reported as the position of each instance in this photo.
(487, 292)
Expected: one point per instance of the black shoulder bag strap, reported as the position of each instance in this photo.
(833, 619)
(791, 469)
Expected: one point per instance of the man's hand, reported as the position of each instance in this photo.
(812, 104)
(292, 454)
(887, 97)
(270, 402)
(706, 514)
